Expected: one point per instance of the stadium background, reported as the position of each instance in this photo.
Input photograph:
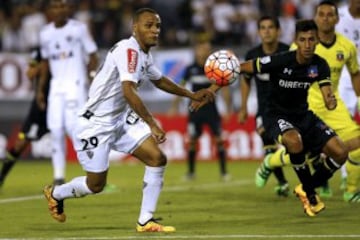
(230, 24)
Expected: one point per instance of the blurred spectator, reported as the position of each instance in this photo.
(306, 8)
(125, 28)
(270, 7)
(248, 13)
(287, 21)
(106, 22)
(168, 10)
(82, 12)
(33, 20)
(13, 38)
(227, 21)
(223, 15)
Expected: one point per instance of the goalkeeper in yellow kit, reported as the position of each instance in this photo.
(338, 51)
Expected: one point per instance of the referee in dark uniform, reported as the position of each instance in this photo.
(34, 126)
(207, 116)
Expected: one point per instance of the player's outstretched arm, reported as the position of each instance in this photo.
(137, 105)
(244, 92)
(196, 105)
(355, 80)
(174, 108)
(169, 86)
(245, 67)
(92, 65)
(329, 97)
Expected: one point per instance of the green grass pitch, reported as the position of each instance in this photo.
(205, 208)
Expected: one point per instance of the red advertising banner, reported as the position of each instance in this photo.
(242, 142)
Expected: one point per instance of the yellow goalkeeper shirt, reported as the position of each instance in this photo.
(341, 52)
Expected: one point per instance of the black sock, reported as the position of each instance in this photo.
(303, 172)
(318, 165)
(279, 174)
(222, 159)
(11, 157)
(191, 161)
(7, 166)
(323, 172)
(12, 154)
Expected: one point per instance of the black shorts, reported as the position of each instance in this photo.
(34, 126)
(199, 119)
(315, 133)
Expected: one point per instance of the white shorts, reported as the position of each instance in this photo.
(93, 141)
(62, 111)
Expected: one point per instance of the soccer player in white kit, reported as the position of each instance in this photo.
(69, 54)
(349, 25)
(115, 117)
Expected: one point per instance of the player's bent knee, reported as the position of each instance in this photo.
(341, 156)
(160, 159)
(293, 142)
(96, 187)
(355, 155)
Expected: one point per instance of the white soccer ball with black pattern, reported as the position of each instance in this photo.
(222, 67)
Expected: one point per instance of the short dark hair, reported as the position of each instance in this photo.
(274, 19)
(328, 2)
(305, 25)
(140, 11)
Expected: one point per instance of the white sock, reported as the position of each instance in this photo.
(76, 188)
(58, 153)
(343, 171)
(153, 181)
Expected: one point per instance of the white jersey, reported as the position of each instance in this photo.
(350, 27)
(66, 49)
(124, 62)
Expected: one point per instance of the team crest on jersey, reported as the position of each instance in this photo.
(312, 71)
(69, 38)
(132, 56)
(90, 154)
(340, 56)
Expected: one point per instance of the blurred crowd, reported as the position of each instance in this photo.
(226, 22)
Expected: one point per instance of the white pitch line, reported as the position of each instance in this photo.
(20, 199)
(166, 189)
(222, 236)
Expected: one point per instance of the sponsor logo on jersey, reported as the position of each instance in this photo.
(293, 84)
(61, 55)
(312, 71)
(90, 154)
(287, 71)
(132, 56)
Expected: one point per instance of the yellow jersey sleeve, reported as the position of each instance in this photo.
(339, 54)
(352, 63)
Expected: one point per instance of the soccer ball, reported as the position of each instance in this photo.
(222, 67)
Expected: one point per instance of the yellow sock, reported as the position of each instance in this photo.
(352, 166)
(279, 158)
(353, 177)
